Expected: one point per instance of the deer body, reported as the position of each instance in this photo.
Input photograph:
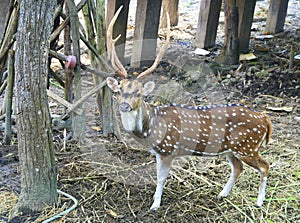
(234, 131)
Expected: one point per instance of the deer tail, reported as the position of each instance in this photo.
(269, 132)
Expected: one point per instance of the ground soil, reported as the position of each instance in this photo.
(114, 180)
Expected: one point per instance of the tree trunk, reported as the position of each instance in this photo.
(35, 145)
(230, 52)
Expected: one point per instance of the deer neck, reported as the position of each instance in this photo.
(138, 121)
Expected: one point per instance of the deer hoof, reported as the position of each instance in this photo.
(154, 206)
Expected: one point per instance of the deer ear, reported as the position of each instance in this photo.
(113, 84)
(148, 87)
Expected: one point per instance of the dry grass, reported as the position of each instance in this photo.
(115, 183)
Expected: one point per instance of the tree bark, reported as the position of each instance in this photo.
(35, 145)
(230, 52)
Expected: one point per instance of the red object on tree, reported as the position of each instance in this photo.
(70, 62)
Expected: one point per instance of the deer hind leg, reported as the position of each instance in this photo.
(263, 167)
(163, 169)
(236, 168)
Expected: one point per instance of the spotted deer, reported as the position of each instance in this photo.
(174, 130)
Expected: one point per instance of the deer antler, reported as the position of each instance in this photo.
(160, 54)
(110, 43)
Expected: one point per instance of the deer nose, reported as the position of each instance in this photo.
(125, 107)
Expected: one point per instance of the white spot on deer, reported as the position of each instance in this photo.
(233, 114)
(195, 140)
(254, 129)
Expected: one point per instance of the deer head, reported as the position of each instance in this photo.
(130, 101)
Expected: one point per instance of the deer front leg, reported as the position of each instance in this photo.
(163, 165)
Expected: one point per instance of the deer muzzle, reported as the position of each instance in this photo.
(125, 107)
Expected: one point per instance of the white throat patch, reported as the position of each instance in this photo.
(132, 120)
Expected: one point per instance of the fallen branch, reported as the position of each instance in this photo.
(63, 102)
(85, 97)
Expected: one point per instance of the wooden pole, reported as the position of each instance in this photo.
(145, 33)
(120, 26)
(208, 23)
(171, 7)
(246, 12)
(78, 121)
(276, 16)
(230, 52)
(10, 86)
